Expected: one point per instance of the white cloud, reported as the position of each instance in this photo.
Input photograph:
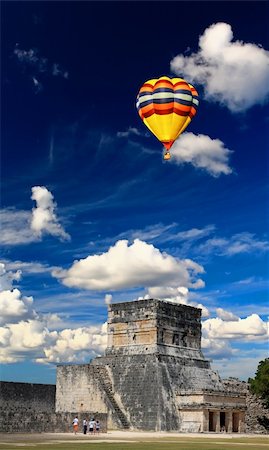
(23, 340)
(165, 233)
(239, 243)
(44, 219)
(108, 299)
(15, 227)
(220, 336)
(32, 339)
(7, 278)
(226, 315)
(13, 306)
(180, 293)
(74, 345)
(248, 329)
(20, 227)
(235, 74)
(32, 267)
(217, 348)
(26, 334)
(193, 234)
(203, 153)
(137, 265)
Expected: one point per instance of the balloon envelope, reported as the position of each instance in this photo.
(167, 106)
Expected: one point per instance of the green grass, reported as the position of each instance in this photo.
(178, 444)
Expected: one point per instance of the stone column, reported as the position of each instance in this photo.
(217, 415)
(241, 427)
(229, 426)
(205, 426)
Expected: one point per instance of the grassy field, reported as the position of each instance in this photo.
(182, 443)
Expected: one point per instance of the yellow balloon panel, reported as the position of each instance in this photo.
(166, 127)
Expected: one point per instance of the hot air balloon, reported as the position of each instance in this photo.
(167, 106)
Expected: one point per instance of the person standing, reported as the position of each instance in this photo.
(91, 426)
(97, 426)
(85, 426)
(75, 425)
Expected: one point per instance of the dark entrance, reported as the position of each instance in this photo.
(212, 424)
(235, 422)
(222, 421)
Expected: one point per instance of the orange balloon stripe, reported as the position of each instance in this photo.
(192, 112)
(162, 106)
(147, 108)
(184, 86)
(160, 112)
(163, 84)
(146, 88)
(194, 92)
(181, 108)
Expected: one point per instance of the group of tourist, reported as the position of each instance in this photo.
(92, 426)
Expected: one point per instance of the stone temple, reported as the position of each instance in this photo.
(153, 375)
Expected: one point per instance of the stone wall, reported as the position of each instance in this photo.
(78, 389)
(30, 408)
(257, 415)
(27, 396)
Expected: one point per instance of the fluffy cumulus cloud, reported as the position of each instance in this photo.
(26, 334)
(13, 305)
(233, 73)
(128, 266)
(22, 227)
(221, 334)
(250, 328)
(44, 219)
(76, 345)
(203, 153)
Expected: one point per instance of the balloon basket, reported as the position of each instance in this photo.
(166, 156)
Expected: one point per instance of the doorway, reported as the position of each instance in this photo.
(212, 421)
(235, 422)
(222, 421)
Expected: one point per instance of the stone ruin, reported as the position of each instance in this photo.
(153, 375)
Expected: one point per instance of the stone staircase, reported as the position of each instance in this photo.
(106, 385)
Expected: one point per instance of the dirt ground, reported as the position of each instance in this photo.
(122, 436)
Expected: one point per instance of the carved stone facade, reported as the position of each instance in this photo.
(153, 375)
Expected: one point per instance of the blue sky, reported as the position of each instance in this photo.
(91, 213)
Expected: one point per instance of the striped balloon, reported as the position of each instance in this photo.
(166, 106)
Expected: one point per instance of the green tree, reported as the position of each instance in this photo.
(259, 385)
